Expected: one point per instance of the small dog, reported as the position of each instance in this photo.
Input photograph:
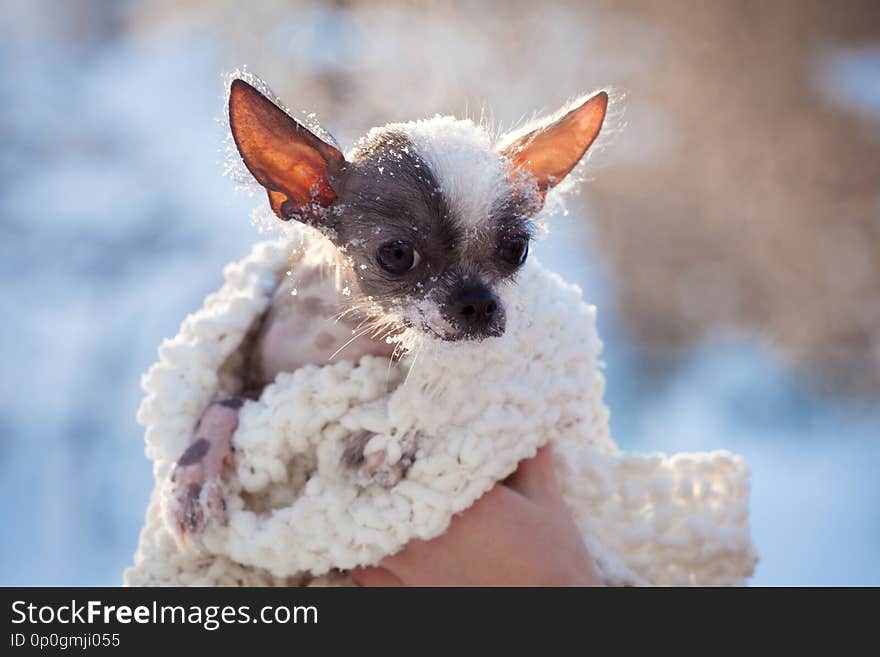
(428, 220)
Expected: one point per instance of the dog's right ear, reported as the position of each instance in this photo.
(297, 168)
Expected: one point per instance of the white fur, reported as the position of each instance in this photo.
(470, 174)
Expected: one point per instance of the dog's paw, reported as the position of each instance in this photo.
(197, 501)
(377, 470)
(377, 467)
(197, 479)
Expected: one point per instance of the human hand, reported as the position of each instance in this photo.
(520, 533)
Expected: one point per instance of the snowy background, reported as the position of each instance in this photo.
(117, 221)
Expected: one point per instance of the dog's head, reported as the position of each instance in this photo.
(432, 216)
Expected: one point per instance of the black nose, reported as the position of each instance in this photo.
(475, 305)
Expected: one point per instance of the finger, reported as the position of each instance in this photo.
(375, 577)
(409, 563)
(535, 478)
(402, 563)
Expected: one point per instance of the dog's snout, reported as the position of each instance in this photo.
(476, 304)
(477, 311)
(473, 311)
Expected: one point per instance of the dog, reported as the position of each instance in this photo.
(427, 219)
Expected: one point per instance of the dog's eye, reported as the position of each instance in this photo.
(515, 250)
(397, 257)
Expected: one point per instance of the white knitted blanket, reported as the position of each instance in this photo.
(294, 514)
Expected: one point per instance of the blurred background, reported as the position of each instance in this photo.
(729, 231)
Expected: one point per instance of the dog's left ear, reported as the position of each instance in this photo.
(551, 151)
(297, 168)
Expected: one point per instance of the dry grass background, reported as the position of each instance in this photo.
(765, 212)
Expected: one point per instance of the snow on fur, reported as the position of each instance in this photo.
(297, 517)
(459, 153)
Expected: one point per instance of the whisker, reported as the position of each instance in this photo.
(412, 367)
(399, 350)
(352, 339)
(345, 312)
(390, 363)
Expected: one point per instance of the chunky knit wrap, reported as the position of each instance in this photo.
(474, 410)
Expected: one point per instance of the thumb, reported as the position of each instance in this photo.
(535, 478)
(372, 576)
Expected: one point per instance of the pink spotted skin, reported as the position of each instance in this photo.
(300, 328)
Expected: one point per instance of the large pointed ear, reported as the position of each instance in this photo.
(550, 151)
(297, 168)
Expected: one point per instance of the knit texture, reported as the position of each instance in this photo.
(474, 410)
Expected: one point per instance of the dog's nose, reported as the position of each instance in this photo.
(476, 305)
